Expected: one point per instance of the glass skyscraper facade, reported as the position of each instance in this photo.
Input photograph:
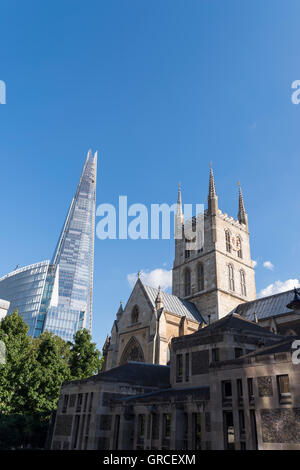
(57, 296)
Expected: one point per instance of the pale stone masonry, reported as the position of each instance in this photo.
(215, 296)
(144, 329)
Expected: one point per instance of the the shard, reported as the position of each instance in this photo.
(58, 296)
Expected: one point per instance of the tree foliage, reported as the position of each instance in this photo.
(85, 359)
(32, 375)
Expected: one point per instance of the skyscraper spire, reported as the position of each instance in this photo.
(242, 216)
(212, 200)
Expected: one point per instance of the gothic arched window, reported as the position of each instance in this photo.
(231, 277)
(227, 240)
(132, 352)
(187, 282)
(243, 283)
(200, 277)
(135, 314)
(239, 244)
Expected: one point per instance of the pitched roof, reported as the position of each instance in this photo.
(138, 373)
(234, 322)
(266, 306)
(201, 393)
(174, 304)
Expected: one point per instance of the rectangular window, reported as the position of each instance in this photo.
(242, 421)
(167, 426)
(197, 431)
(250, 389)
(229, 430)
(91, 401)
(148, 426)
(239, 384)
(141, 425)
(226, 389)
(215, 355)
(179, 368)
(65, 403)
(75, 431)
(238, 352)
(283, 386)
(116, 432)
(185, 431)
(79, 402)
(85, 401)
(155, 426)
(187, 367)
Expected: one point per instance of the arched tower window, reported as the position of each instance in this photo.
(200, 277)
(231, 277)
(187, 282)
(227, 241)
(243, 283)
(239, 244)
(135, 314)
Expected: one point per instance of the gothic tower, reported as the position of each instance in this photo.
(219, 276)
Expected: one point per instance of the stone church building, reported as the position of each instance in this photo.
(206, 367)
(208, 283)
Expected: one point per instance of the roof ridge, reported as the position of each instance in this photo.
(263, 298)
(266, 348)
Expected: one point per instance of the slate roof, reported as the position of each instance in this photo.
(138, 373)
(174, 304)
(266, 307)
(233, 321)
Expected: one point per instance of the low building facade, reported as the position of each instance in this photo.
(231, 385)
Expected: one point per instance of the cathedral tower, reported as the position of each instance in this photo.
(220, 275)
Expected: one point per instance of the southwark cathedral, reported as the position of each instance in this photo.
(209, 366)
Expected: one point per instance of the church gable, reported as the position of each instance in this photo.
(138, 311)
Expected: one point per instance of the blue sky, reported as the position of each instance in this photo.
(159, 88)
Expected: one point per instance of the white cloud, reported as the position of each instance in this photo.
(268, 265)
(254, 263)
(279, 286)
(155, 278)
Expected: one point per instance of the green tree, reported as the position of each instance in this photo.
(14, 373)
(85, 358)
(49, 366)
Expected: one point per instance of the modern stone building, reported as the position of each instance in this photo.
(230, 385)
